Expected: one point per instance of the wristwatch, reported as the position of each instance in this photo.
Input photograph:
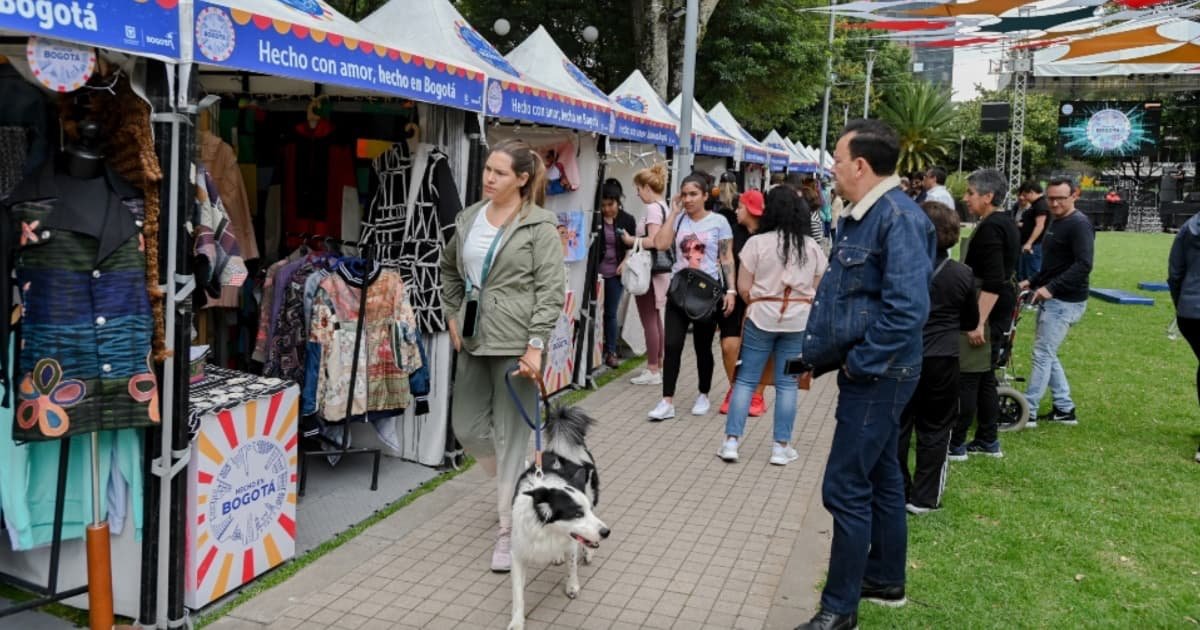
(537, 344)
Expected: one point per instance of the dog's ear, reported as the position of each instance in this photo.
(541, 503)
(580, 478)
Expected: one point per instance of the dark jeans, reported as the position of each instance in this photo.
(675, 327)
(864, 491)
(1030, 264)
(612, 303)
(932, 413)
(1190, 329)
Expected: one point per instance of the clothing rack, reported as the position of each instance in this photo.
(342, 448)
(49, 592)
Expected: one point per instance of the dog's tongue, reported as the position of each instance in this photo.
(583, 541)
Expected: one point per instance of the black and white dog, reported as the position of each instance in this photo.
(552, 514)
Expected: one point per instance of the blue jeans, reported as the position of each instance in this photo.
(757, 347)
(612, 302)
(864, 490)
(1030, 264)
(1055, 317)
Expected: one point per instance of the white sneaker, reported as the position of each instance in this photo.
(663, 411)
(701, 406)
(728, 450)
(502, 553)
(783, 455)
(647, 378)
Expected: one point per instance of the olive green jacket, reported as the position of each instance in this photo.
(524, 292)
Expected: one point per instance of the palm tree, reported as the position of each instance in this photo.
(923, 116)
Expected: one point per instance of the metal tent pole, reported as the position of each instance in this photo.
(174, 140)
(683, 161)
(829, 78)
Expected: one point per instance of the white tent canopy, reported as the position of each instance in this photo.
(708, 140)
(540, 58)
(751, 150)
(437, 25)
(637, 98)
(310, 43)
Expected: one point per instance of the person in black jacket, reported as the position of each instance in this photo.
(1062, 291)
(991, 253)
(933, 409)
(615, 223)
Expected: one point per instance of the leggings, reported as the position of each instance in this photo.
(1190, 329)
(651, 323)
(676, 327)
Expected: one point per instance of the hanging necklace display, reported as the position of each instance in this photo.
(60, 66)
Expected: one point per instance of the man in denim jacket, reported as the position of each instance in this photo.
(866, 322)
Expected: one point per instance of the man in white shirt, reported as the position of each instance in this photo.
(935, 187)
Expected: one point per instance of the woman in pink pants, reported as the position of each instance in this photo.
(651, 184)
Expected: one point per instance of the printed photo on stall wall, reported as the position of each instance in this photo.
(571, 231)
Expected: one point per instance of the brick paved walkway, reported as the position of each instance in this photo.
(696, 543)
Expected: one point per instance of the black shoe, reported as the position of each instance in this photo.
(891, 595)
(1058, 416)
(825, 620)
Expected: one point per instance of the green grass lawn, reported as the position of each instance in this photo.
(1089, 526)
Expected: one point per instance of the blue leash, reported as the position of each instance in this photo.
(538, 411)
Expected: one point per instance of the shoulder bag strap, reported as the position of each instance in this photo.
(491, 253)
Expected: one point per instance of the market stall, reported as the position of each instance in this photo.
(77, 103)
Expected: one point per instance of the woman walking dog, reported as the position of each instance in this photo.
(503, 287)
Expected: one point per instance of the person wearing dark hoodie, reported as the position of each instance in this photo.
(1183, 278)
(503, 287)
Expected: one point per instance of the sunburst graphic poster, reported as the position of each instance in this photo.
(242, 495)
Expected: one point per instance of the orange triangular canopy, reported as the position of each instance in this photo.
(1187, 53)
(978, 7)
(1135, 38)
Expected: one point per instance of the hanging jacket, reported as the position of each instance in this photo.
(316, 168)
(86, 325)
(388, 351)
(413, 247)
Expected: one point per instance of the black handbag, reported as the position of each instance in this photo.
(696, 293)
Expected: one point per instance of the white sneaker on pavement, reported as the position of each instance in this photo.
(728, 450)
(783, 455)
(647, 378)
(701, 406)
(502, 554)
(663, 411)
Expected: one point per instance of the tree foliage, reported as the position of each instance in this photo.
(923, 116)
(607, 61)
(756, 58)
(890, 73)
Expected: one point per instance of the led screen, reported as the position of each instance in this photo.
(1098, 129)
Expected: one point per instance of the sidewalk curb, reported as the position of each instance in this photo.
(797, 597)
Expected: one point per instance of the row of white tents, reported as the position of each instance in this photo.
(426, 50)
